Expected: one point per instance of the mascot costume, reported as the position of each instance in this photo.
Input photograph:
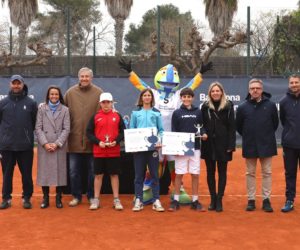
(167, 99)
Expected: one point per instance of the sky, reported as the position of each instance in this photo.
(140, 7)
(198, 10)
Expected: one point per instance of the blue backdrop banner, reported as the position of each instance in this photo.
(125, 94)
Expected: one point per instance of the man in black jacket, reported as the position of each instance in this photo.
(290, 119)
(17, 122)
(257, 121)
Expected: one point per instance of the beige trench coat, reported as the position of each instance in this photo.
(52, 128)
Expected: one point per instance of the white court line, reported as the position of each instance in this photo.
(201, 195)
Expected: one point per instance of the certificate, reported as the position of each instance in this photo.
(140, 139)
(177, 143)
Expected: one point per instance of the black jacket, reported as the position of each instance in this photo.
(220, 128)
(17, 122)
(257, 122)
(290, 119)
(186, 120)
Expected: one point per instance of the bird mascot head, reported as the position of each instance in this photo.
(167, 79)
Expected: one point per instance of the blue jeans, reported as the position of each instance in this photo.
(77, 161)
(141, 160)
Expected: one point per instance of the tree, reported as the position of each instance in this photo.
(220, 14)
(52, 26)
(22, 13)
(286, 56)
(119, 11)
(4, 36)
(138, 38)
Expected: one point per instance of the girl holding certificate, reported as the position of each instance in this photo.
(146, 116)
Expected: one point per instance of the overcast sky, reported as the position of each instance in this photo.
(140, 7)
(198, 11)
(195, 6)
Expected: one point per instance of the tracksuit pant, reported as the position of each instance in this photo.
(291, 159)
(24, 160)
(141, 161)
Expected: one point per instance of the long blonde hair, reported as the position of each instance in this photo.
(223, 100)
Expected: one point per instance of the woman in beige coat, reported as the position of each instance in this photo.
(52, 130)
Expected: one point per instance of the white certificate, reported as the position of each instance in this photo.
(140, 139)
(177, 143)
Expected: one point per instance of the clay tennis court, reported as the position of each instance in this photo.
(80, 228)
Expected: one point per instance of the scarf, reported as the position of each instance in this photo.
(53, 106)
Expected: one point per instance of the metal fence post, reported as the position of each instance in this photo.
(248, 42)
(158, 39)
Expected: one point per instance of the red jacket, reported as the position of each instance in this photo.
(106, 127)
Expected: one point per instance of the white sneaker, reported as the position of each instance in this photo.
(117, 204)
(157, 206)
(74, 202)
(138, 205)
(95, 204)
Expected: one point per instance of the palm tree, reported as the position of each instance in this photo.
(22, 14)
(119, 11)
(220, 14)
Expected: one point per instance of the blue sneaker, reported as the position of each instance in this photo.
(288, 206)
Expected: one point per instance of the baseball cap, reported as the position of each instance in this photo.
(106, 97)
(17, 77)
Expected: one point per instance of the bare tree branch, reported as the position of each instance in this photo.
(7, 60)
(200, 50)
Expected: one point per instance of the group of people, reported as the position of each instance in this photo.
(85, 124)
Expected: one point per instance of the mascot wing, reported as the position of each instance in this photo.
(137, 82)
(195, 82)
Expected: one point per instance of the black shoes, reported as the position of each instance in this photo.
(174, 206)
(267, 206)
(26, 203)
(219, 205)
(212, 205)
(58, 201)
(5, 204)
(196, 205)
(45, 202)
(251, 205)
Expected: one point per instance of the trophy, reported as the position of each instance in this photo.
(198, 127)
(107, 142)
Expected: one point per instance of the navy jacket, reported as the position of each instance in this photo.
(17, 122)
(186, 120)
(257, 122)
(220, 128)
(290, 119)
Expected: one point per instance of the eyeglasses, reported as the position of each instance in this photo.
(255, 88)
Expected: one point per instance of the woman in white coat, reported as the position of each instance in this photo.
(52, 130)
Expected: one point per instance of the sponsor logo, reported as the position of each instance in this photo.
(155, 154)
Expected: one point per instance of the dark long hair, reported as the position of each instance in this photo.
(61, 98)
(140, 100)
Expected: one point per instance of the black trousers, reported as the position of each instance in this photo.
(291, 159)
(24, 160)
(211, 179)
